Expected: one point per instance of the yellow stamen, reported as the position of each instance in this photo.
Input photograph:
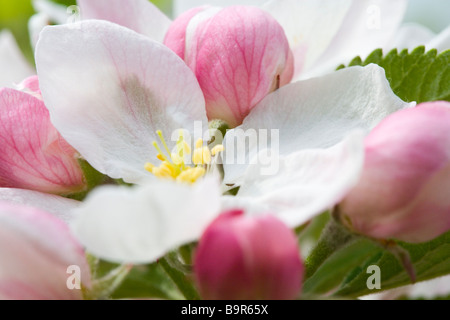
(149, 167)
(201, 156)
(173, 164)
(217, 149)
(206, 155)
(163, 141)
(199, 144)
(162, 172)
(191, 175)
(186, 148)
(161, 154)
(176, 159)
(182, 147)
(170, 167)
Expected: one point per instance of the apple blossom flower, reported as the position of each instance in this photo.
(248, 258)
(37, 251)
(13, 65)
(34, 155)
(134, 91)
(404, 189)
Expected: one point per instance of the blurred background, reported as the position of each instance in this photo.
(14, 14)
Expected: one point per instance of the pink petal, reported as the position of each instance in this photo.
(36, 250)
(237, 55)
(33, 154)
(176, 35)
(58, 206)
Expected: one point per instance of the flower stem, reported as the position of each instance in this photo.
(334, 237)
(180, 279)
(103, 288)
(402, 255)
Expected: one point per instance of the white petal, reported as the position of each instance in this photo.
(410, 36)
(368, 25)
(306, 183)
(141, 224)
(181, 6)
(441, 42)
(109, 89)
(310, 26)
(316, 113)
(58, 206)
(141, 16)
(14, 68)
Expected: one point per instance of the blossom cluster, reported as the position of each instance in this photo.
(207, 143)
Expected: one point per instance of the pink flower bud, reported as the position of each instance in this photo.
(241, 257)
(239, 55)
(39, 257)
(33, 154)
(404, 191)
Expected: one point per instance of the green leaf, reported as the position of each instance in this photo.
(183, 281)
(148, 282)
(417, 76)
(344, 272)
(430, 260)
(339, 266)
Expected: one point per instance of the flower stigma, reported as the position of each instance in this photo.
(173, 165)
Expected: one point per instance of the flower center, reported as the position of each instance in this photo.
(173, 165)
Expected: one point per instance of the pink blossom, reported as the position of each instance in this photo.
(404, 191)
(33, 154)
(37, 252)
(241, 257)
(238, 54)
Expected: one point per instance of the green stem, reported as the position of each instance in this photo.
(334, 237)
(186, 253)
(104, 287)
(180, 279)
(401, 254)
